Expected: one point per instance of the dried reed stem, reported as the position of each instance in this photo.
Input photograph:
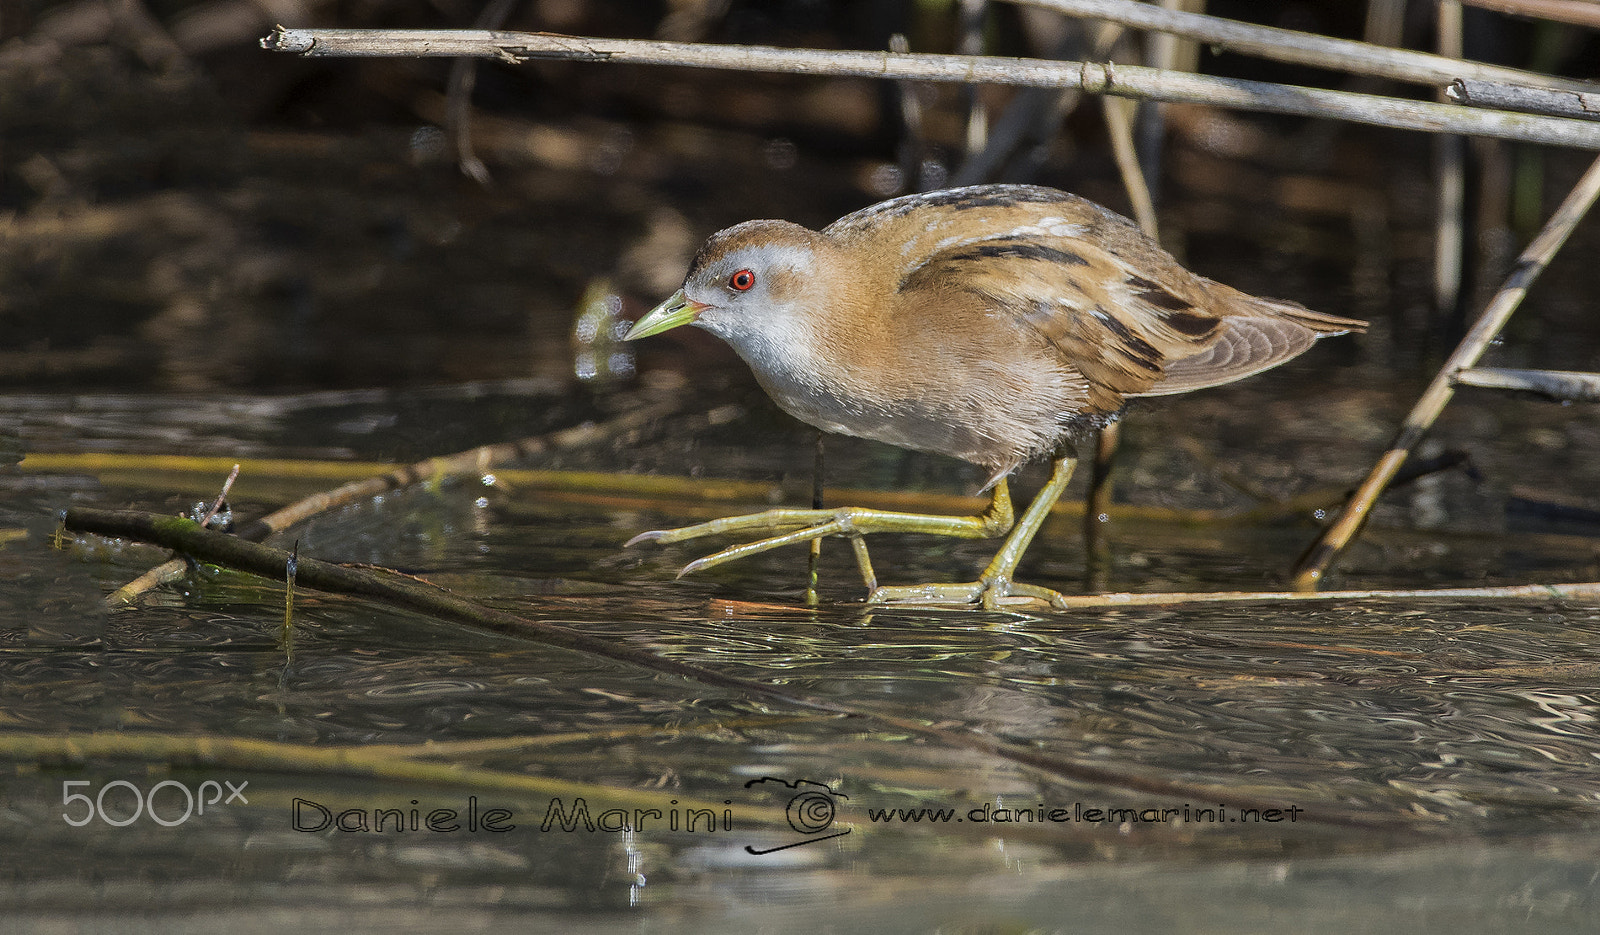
(1121, 80)
(1287, 45)
(1576, 12)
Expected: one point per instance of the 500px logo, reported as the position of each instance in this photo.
(178, 802)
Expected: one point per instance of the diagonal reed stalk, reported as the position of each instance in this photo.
(1314, 563)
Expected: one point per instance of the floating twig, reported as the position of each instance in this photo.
(189, 538)
(1586, 591)
(701, 494)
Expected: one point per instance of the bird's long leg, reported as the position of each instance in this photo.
(994, 587)
(852, 522)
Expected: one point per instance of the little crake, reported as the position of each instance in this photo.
(996, 324)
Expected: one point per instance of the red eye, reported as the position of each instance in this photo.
(742, 280)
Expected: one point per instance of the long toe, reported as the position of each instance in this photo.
(1000, 595)
(965, 594)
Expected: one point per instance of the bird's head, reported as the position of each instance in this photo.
(748, 285)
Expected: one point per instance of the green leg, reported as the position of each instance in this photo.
(994, 589)
(852, 522)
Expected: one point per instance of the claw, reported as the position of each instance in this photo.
(699, 564)
(650, 536)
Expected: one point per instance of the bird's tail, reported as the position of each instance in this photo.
(1259, 334)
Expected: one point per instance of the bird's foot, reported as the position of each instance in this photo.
(819, 524)
(997, 593)
(853, 523)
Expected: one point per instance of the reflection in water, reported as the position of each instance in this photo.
(1468, 721)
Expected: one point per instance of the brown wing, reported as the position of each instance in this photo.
(1262, 334)
(1117, 308)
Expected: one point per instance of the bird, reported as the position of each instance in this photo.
(995, 323)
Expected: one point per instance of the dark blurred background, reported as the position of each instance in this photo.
(183, 211)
